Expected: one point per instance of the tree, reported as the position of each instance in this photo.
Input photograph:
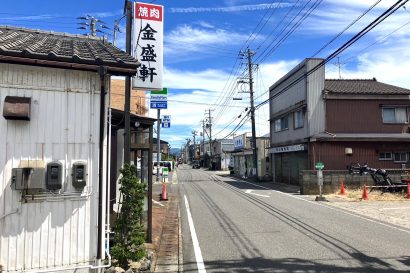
(129, 234)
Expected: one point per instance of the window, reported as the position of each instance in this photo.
(298, 119)
(281, 124)
(400, 157)
(395, 115)
(385, 156)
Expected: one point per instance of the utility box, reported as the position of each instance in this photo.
(27, 178)
(79, 174)
(54, 179)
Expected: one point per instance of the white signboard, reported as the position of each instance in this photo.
(239, 142)
(148, 45)
(287, 149)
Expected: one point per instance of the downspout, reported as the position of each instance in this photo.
(102, 71)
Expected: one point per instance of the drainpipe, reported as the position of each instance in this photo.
(102, 72)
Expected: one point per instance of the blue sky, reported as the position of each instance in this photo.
(202, 41)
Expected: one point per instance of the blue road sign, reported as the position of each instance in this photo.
(159, 104)
(166, 125)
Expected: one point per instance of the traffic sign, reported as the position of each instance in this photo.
(158, 105)
(166, 121)
(319, 166)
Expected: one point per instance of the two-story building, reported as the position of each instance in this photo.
(337, 122)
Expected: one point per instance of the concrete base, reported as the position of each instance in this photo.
(320, 198)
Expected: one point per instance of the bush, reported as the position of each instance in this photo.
(129, 234)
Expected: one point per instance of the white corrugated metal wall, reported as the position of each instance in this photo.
(56, 229)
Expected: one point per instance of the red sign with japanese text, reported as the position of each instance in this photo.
(148, 12)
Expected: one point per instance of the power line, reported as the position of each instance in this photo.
(346, 28)
(289, 32)
(355, 38)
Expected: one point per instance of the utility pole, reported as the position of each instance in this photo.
(203, 137)
(127, 102)
(253, 143)
(194, 134)
(91, 23)
(209, 125)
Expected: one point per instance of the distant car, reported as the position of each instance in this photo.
(196, 165)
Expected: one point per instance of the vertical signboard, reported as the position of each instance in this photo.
(159, 99)
(239, 142)
(166, 121)
(148, 45)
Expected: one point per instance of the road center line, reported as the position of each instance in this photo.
(197, 250)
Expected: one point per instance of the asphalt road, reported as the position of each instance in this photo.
(240, 227)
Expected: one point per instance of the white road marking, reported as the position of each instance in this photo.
(159, 203)
(250, 192)
(395, 208)
(197, 250)
(332, 208)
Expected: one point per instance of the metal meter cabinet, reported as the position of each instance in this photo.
(54, 179)
(79, 175)
(27, 178)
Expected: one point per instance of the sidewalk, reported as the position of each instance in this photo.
(166, 231)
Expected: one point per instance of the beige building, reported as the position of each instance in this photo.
(137, 98)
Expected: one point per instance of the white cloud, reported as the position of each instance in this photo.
(182, 42)
(387, 64)
(337, 15)
(231, 8)
(211, 79)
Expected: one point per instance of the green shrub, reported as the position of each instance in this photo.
(129, 234)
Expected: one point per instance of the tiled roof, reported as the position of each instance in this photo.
(62, 47)
(363, 87)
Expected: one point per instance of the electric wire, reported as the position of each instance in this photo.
(262, 57)
(355, 38)
(346, 28)
(380, 40)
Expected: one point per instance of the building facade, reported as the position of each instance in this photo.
(54, 139)
(242, 157)
(337, 122)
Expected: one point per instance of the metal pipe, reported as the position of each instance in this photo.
(75, 267)
(127, 101)
(102, 72)
(158, 140)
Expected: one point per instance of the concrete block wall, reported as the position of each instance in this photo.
(332, 180)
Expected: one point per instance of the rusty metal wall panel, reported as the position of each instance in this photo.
(55, 230)
(360, 116)
(332, 154)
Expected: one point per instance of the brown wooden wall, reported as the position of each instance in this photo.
(360, 116)
(332, 154)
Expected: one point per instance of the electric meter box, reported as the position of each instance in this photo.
(27, 178)
(54, 179)
(79, 174)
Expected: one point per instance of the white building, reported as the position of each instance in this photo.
(53, 143)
